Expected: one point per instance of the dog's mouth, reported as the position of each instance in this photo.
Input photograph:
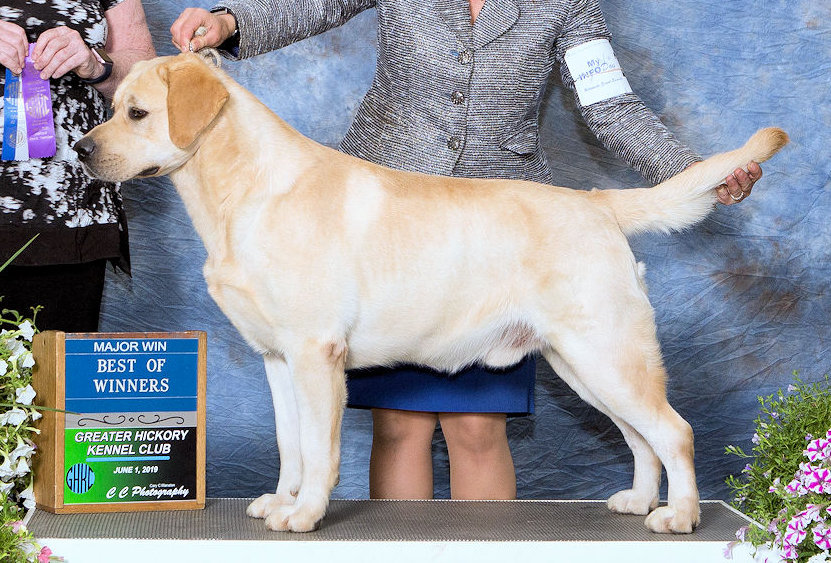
(148, 172)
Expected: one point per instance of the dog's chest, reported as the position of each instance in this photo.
(243, 307)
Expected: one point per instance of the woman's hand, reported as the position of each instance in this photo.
(738, 185)
(61, 50)
(13, 46)
(218, 28)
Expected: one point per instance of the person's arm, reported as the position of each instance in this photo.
(128, 41)
(263, 25)
(60, 50)
(618, 117)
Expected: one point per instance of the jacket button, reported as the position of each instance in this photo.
(466, 57)
(457, 97)
(454, 143)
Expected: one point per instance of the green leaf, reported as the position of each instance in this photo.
(16, 254)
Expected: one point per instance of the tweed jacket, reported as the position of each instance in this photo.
(454, 98)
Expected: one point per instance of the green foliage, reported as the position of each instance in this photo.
(18, 546)
(783, 486)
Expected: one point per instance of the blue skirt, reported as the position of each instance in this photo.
(416, 388)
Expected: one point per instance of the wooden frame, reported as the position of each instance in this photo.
(49, 381)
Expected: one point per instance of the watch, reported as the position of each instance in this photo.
(105, 60)
(232, 43)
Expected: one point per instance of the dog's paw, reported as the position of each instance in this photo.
(671, 520)
(631, 501)
(268, 503)
(292, 519)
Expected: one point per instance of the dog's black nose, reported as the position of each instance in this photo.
(85, 147)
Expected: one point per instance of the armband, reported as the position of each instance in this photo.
(596, 72)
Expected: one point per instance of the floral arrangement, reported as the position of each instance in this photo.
(786, 487)
(17, 416)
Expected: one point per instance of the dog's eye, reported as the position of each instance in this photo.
(136, 113)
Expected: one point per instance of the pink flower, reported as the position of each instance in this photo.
(822, 537)
(789, 552)
(817, 479)
(817, 449)
(18, 524)
(741, 533)
(811, 513)
(795, 532)
(43, 556)
(796, 488)
(728, 550)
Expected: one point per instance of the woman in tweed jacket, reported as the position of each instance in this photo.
(457, 91)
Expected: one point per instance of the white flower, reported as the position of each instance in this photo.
(29, 550)
(25, 395)
(28, 497)
(16, 347)
(13, 417)
(767, 554)
(23, 450)
(27, 360)
(4, 367)
(819, 558)
(36, 416)
(6, 469)
(5, 487)
(22, 468)
(27, 331)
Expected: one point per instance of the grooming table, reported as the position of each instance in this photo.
(400, 531)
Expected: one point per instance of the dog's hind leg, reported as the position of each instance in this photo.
(642, 498)
(624, 374)
(288, 439)
(319, 381)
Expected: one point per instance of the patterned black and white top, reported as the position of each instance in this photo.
(78, 219)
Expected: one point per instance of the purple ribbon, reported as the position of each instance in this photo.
(37, 98)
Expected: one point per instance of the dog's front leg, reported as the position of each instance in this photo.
(319, 381)
(288, 439)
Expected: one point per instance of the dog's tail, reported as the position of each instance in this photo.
(687, 198)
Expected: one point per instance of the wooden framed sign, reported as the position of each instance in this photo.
(132, 436)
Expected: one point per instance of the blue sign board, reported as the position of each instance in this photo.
(131, 374)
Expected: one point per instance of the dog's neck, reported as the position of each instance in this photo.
(246, 140)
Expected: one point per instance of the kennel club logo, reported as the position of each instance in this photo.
(130, 435)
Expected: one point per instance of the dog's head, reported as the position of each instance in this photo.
(161, 110)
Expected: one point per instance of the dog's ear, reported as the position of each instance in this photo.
(195, 96)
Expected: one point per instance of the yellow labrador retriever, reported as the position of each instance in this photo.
(325, 262)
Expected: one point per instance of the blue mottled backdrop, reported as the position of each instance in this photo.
(742, 300)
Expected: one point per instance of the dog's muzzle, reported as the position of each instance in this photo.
(85, 148)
